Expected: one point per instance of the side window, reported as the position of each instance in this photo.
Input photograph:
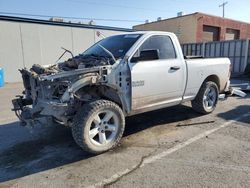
(163, 43)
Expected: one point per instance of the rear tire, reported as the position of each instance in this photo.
(98, 126)
(206, 100)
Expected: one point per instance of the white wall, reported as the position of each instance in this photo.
(24, 44)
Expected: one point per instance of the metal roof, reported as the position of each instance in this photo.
(48, 22)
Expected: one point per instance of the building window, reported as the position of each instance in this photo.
(232, 34)
(210, 33)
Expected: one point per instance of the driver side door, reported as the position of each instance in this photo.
(160, 82)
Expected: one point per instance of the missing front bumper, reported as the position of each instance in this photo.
(43, 112)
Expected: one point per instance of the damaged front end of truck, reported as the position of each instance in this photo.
(57, 92)
(54, 93)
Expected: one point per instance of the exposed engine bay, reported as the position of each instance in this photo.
(55, 89)
(78, 62)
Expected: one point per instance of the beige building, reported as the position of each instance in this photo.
(200, 27)
(25, 42)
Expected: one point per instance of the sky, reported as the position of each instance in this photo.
(124, 13)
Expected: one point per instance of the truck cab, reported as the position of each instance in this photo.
(158, 71)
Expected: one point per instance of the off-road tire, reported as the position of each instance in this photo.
(80, 127)
(197, 103)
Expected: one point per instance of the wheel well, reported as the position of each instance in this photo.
(214, 79)
(100, 92)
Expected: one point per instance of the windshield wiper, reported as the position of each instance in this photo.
(107, 51)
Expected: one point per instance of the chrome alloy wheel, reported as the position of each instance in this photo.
(104, 128)
(209, 98)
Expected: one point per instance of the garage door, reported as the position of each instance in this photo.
(210, 33)
(232, 34)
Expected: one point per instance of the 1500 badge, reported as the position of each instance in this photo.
(138, 83)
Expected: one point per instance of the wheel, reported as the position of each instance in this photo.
(98, 126)
(207, 98)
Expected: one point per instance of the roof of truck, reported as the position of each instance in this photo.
(147, 33)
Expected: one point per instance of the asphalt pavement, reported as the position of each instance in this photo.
(172, 147)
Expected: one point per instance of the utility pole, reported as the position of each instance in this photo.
(223, 7)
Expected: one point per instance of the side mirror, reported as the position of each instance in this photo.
(146, 55)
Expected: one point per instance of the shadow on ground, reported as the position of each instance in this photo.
(26, 151)
(164, 116)
(236, 112)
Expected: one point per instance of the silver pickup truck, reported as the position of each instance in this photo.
(119, 76)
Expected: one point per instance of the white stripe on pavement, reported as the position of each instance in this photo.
(152, 159)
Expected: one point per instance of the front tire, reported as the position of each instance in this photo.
(98, 126)
(206, 100)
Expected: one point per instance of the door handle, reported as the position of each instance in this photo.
(175, 68)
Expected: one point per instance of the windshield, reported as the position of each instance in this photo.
(117, 45)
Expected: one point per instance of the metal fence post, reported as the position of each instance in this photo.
(203, 49)
(246, 54)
